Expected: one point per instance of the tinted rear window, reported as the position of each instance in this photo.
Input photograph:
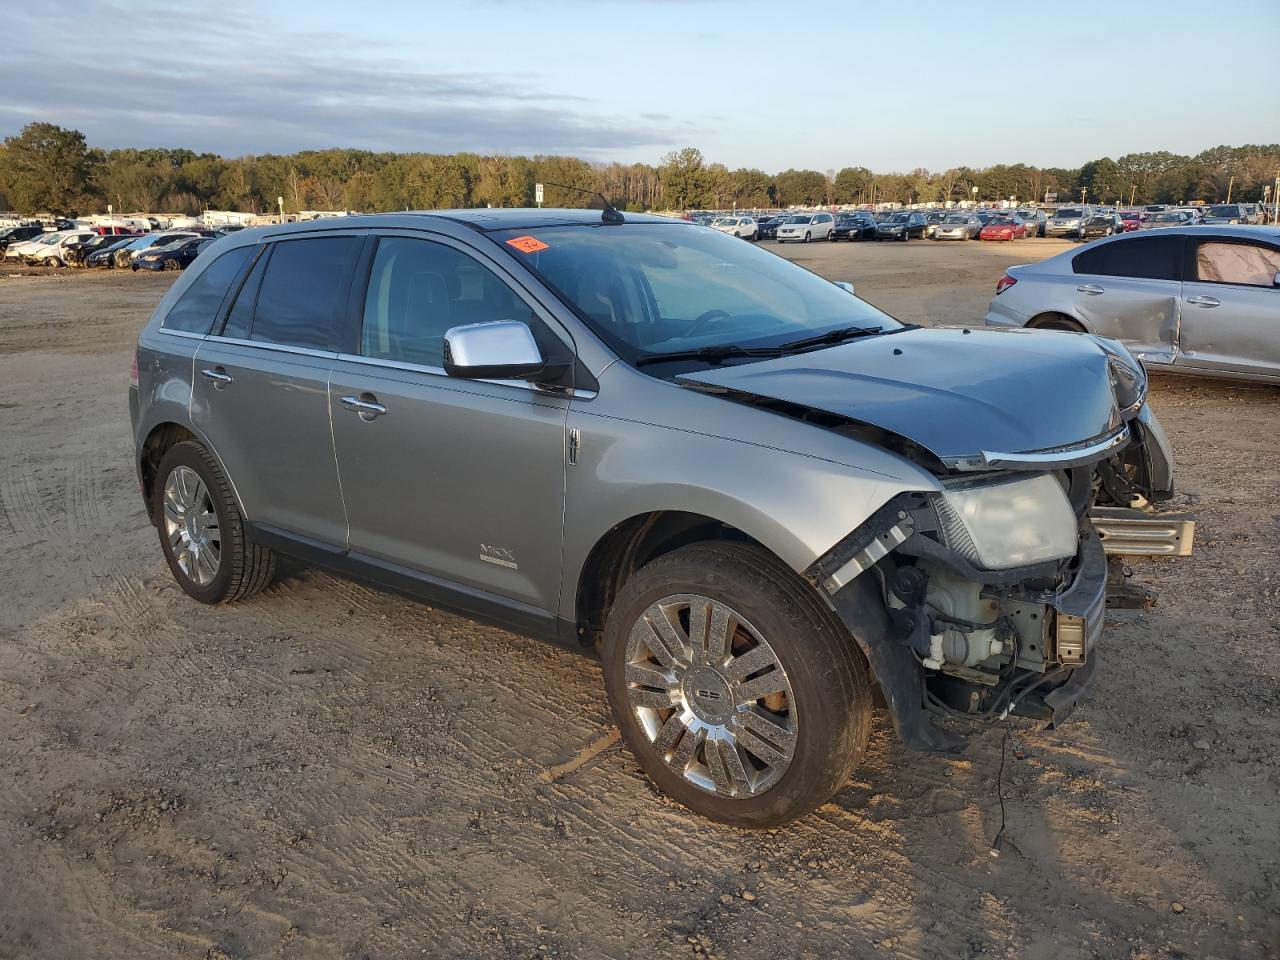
(305, 281)
(1145, 257)
(198, 306)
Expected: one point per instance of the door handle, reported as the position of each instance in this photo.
(219, 376)
(366, 405)
(1092, 289)
(1204, 301)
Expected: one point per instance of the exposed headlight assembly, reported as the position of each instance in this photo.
(1012, 524)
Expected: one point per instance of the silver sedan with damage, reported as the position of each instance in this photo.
(1201, 300)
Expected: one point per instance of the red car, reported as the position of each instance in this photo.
(1132, 220)
(1004, 228)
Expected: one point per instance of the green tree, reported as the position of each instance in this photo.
(684, 182)
(800, 187)
(47, 168)
(852, 185)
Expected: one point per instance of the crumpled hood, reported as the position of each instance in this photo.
(954, 392)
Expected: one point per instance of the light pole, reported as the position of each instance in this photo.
(974, 191)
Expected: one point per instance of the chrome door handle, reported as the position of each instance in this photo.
(218, 376)
(366, 408)
(1204, 301)
(1092, 289)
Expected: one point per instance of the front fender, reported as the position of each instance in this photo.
(796, 506)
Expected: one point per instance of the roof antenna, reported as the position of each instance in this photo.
(610, 214)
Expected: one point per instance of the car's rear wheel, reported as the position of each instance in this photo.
(202, 531)
(736, 690)
(1055, 321)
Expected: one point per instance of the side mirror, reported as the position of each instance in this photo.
(1275, 281)
(847, 285)
(496, 350)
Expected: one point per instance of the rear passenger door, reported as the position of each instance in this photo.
(1129, 289)
(458, 480)
(261, 386)
(1231, 306)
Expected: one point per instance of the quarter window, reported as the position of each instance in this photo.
(197, 308)
(1245, 263)
(302, 290)
(418, 290)
(1146, 258)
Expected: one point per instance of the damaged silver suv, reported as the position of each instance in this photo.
(765, 503)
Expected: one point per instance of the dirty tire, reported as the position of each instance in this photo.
(829, 677)
(244, 568)
(1055, 321)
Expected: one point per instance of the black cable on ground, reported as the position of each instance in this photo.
(998, 843)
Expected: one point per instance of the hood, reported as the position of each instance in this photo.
(957, 393)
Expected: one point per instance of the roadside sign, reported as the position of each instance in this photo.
(108, 209)
(537, 193)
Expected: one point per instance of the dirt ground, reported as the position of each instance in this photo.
(328, 771)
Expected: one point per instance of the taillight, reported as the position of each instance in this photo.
(1004, 283)
(133, 370)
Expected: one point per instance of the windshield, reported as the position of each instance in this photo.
(899, 218)
(1224, 210)
(1001, 222)
(1069, 214)
(650, 288)
(799, 220)
(1168, 218)
(1099, 220)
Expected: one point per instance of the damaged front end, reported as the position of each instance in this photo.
(989, 598)
(986, 597)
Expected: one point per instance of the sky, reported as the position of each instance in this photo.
(817, 84)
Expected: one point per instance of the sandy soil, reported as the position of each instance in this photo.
(327, 771)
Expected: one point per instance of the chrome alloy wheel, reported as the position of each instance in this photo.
(711, 696)
(191, 524)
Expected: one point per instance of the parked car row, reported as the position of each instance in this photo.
(105, 247)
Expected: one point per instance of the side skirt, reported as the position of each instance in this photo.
(479, 605)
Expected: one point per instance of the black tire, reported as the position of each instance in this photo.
(1055, 321)
(829, 678)
(807, 238)
(244, 568)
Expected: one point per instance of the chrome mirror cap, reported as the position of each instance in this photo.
(497, 350)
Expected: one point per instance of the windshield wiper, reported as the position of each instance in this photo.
(830, 337)
(717, 354)
(722, 352)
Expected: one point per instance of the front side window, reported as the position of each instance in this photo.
(1244, 263)
(649, 289)
(197, 308)
(301, 291)
(1143, 257)
(418, 290)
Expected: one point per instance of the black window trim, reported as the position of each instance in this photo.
(1191, 267)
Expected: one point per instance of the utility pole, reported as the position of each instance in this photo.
(1230, 183)
(1133, 188)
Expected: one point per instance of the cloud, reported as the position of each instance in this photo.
(227, 87)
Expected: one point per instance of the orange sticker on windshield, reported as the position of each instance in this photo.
(527, 244)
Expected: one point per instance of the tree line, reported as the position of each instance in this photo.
(47, 168)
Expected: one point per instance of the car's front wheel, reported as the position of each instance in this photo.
(739, 694)
(202, 531)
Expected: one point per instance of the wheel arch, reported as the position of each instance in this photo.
(160, 439)
(628, 546)
(1043, 321)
